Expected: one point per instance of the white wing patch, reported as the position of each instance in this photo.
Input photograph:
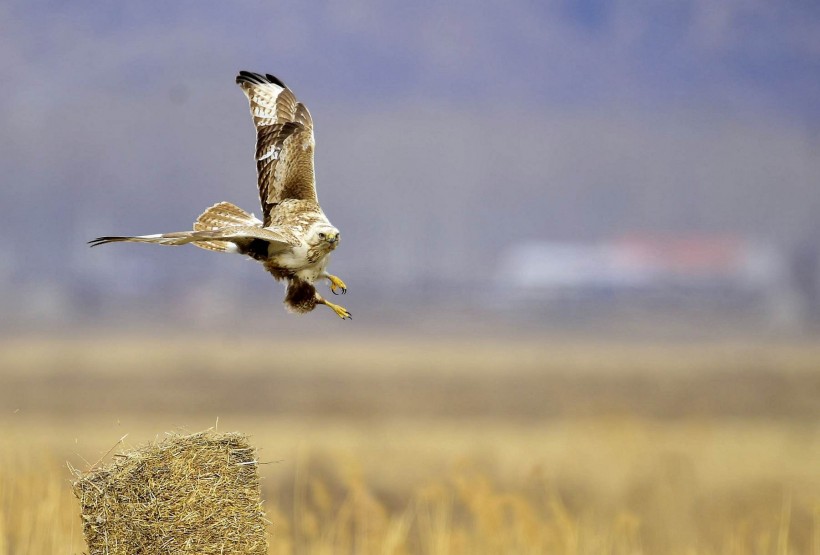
(271, 153)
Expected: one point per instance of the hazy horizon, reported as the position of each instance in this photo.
(445, 134)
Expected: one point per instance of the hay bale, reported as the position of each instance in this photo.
(188, 494)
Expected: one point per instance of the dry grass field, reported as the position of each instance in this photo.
(432, 446)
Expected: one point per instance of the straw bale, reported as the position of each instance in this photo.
(187, 494)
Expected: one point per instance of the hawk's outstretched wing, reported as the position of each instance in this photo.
(284, 141)
(238, 234)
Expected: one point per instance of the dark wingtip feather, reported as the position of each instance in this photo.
(257, 79)
(244, 76)
(97, 242)
(276, 80)
(103, 240)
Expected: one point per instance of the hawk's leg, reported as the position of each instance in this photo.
(340, 311)
(335, 283)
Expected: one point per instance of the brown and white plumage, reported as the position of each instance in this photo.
(294, 239)
(284, 141)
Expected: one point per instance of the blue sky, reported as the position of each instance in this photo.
(752, 55)
(483, 123)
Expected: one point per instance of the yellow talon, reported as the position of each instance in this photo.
(340, 311)
(336, 283)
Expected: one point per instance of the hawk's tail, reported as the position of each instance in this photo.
(219, 216)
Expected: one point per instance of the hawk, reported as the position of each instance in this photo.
(294, 239)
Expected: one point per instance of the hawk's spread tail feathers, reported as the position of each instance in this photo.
(222, 215)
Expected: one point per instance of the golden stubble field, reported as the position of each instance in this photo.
(419, 445)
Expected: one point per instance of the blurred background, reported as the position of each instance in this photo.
(580, 237)
(547, 159)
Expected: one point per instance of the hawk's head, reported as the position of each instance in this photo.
(324, 237)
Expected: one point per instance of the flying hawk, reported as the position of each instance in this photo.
(295, 238)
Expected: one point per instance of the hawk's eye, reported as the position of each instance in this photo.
(321, 236)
